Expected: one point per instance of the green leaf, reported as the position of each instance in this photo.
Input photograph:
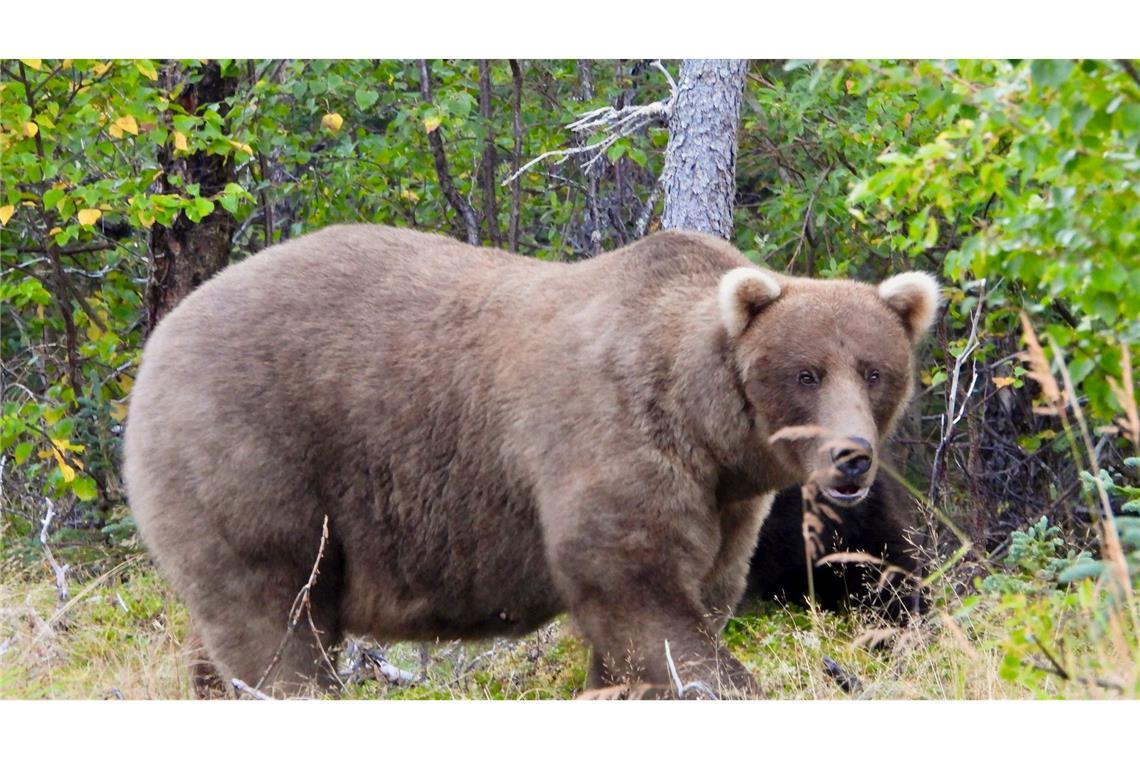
(1086, 568)
(366, 98)
(84, 487)
(1049, 72)
(22, 452)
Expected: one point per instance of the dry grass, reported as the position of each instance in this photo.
(120, 636)
(123, 633)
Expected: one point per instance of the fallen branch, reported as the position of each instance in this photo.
(391, 673)
(360, 657)
(848, 683)
(613, 124)
(243, 688)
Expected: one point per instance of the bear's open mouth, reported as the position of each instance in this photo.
(846, 495)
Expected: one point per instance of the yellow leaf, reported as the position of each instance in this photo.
(127, 124)
(89, 216)
(245, 148)
(146, 68)
(1003, 382)
(409, 195)
(180, 141)
(6, 213)
(114, 131)
(431, 124)
(32, 63)
(146, 220)
(126, 382)
(67, 470)
(31, 129)
(100, 69)
(118, 411)
(332, 122)
(55, 230)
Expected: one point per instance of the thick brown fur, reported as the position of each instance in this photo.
(493, 439)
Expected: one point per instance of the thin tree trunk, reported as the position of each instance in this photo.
(699, 178)
(439, 156)
(487, 164)
(594, 218)
(186, 254)
(516, 158)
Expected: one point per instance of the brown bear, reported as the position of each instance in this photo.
(494, 439)
(878, 526)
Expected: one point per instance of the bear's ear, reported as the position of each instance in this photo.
(743, 292)
(915, 297)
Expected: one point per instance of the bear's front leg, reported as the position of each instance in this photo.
(631, 574)
(740, 523)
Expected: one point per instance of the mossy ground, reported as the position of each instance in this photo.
(121, 635)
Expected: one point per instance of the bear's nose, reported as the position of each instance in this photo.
(853, 457)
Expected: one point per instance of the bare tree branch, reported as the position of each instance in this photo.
(60, 572)
(954, 410)
(613, 124)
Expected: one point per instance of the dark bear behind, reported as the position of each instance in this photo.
(877, 526)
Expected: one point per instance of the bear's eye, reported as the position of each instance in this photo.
(872, 376)
(807, 377)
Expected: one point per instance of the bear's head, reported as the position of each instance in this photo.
(827, 367)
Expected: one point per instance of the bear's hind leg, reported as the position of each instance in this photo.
(258, 626)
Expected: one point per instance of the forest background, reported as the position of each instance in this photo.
(1015, 180)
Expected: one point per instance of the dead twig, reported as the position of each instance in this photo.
(60, 572)
(954, 411)
(302, 604)
(613, 124)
